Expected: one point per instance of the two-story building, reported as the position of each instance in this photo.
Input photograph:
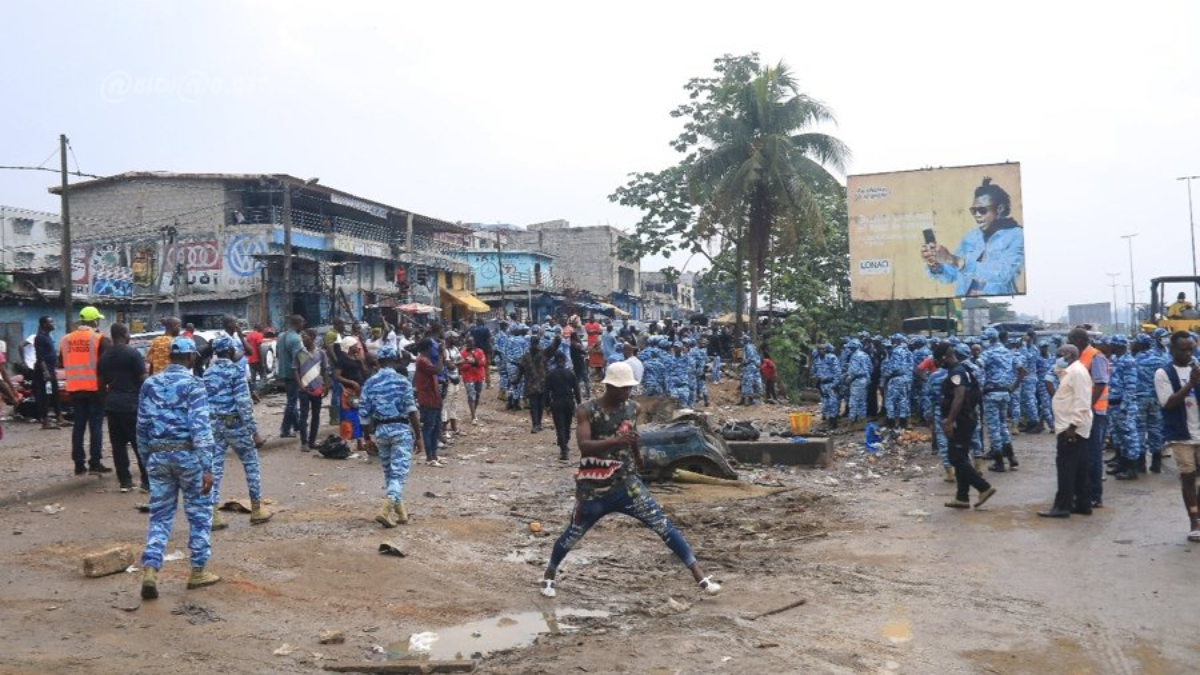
(666, 297)
(592, 256)
(258, 246)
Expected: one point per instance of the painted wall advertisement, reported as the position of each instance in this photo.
(937, 233)
(204, 266)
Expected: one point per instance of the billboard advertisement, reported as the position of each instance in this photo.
(937, 233)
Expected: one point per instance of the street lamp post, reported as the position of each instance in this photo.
(1191, 219)
(1112, 277)
(1132, 284)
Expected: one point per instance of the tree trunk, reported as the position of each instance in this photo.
(739, 300)
(755, 280)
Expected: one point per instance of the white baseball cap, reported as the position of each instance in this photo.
(619, 374)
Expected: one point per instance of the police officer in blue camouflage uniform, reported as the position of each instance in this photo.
(920, 350)
(932, 407)
(1029, 388)
(501, 359)
(515, 347)
(1123, 409)
(698, 361)
(1045, 364)
(858, 376)
(1149, 416)
(1018, 364)
(974, 363)
(654, 364)
(232, 413)
(999, 376)
(174, 432)
(827, 370)
(752, 385)
(679, 376)
(390, 407)
(898, 373)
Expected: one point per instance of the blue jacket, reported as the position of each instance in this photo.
(173, 411)
(827, 369)
(860, 365)
(388, 395)
(989, 267)
(1148, 363)
(1175, 419)
(999, 369)
(228, 393)
(1123, 379)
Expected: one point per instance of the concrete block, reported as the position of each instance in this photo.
(110, 561)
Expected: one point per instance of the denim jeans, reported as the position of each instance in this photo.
(1095, 457)
(310, 418)
(88, 412)
(431, 430)
(290, 416)
(631, 499)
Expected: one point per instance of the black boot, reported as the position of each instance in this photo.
(1120, 467)
(997, 464)
(1128, 472)
(1010, 456)
(903, 422)
(1140, 463)
(1156, 463)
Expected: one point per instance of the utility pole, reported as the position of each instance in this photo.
(1112, 277)
(1132, 284)
(500, 268)
(1191, 219)
(286, 294)
(66, 238)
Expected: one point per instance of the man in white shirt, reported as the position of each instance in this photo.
(636, 365)
(1072, 406)
(1176, 386)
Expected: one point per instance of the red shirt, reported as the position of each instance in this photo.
(473, 373)
(426, 383)
(928, 366)
(593, 332)
(767, 369)
(253, 344)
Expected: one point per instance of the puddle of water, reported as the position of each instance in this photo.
(898, 631)
(481, 638)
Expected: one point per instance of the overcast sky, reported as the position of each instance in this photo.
(524, 112)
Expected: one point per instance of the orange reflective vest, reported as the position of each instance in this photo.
(80, 352)
(1085, 358)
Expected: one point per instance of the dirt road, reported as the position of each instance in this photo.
(894, 583)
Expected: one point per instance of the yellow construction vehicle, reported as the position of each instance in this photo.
(1175, 316)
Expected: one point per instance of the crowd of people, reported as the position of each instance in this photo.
(392, 390)
(1090, 390)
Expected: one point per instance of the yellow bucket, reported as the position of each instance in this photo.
(801, 422)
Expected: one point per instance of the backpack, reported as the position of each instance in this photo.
(333, 447)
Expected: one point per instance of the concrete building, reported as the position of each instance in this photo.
(523, 281)
(216, 242)
(30, 273)
(665, 298)
(591, 255)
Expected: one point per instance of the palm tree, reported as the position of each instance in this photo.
(763, 168)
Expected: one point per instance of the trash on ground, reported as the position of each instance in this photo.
(173, 556)
(331, 637)
(391, 548)
(421, 642)
(284, 650)
(51, 509)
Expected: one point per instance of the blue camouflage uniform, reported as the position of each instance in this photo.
(515, 347)
(1045, 366)
(897, 371)
(1018, 362)
(828, 372)
(972, 364)
(232, 414)
(1122, 402)
(858, 375)
(654, 368)
(174, 432)
(1029, 384)
(932, 404)
(679, 378)
(920, 351)
(501, 358)
(1149, 417)
(697, 360)
(752, 384)
(999, 375)
(387, 401)
(991, 266)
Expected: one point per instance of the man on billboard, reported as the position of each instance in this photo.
(989, 259)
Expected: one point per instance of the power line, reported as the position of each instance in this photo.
(71, 149)
(42, 168)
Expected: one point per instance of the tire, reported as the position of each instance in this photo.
(268, 359)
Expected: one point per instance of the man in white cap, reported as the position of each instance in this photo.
(607, 480)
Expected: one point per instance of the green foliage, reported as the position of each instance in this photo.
(5, 280)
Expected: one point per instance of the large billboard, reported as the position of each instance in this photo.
(937, 233)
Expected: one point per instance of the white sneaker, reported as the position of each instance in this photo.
(548, 588)
(709, 586)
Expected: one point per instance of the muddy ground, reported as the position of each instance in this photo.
(893, 582)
